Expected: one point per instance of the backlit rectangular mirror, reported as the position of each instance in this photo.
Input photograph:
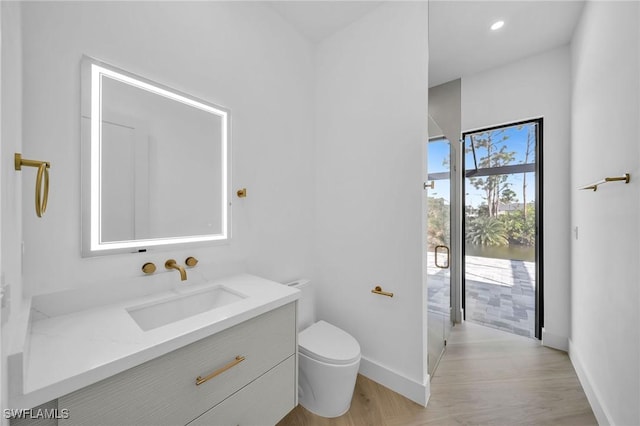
(155, 164)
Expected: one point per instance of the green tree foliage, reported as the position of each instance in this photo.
(486, 231)
(514, 227)
(508, 196)
(520, 226)
(496, 154)
(438, 228)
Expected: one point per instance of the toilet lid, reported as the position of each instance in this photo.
(327, 343)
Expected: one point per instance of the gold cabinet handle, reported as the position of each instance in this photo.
(378, 290)
(200, 380)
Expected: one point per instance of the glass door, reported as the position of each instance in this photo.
(502, 230)
(438, 189)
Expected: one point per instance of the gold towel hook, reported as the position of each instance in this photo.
(42, 191)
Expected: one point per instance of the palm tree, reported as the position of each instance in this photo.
(487, 231)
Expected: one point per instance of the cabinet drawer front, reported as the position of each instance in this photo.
(163, 390)
(263, 402)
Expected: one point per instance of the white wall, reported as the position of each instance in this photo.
(11, 143)
(10, 179)
(538, 86)
(3, 359)
(236, 54)
(364, 90)
(445, 109)
(604, 281)
(371, 126)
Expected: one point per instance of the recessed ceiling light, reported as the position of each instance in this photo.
(497, 25)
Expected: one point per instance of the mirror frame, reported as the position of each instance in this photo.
(92, 72)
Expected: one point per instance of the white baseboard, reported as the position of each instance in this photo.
(555, 341)
(417, 392)
(599, 410)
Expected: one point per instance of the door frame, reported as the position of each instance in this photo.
(539, 203)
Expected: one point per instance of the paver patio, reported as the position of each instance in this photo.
(500, 293)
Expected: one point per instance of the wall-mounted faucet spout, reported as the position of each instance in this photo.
(171, 264)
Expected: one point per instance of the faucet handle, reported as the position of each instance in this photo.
(148, 268)
(191, 261)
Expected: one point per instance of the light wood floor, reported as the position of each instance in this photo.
(486, 377)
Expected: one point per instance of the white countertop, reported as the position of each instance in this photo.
(68, 352)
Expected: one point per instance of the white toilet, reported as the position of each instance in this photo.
(328, 360)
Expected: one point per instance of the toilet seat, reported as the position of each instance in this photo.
(327, 343)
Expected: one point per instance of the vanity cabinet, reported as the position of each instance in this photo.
(252, 405)
(259, 389)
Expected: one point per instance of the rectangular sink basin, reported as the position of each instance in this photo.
(156, 314)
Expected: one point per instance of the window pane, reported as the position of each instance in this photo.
(511, 146)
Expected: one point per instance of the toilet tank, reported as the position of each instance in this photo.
(306, 314)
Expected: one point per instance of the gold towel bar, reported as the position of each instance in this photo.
(42, 192)
(236, 361)
(594, 186)
(378, 290)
